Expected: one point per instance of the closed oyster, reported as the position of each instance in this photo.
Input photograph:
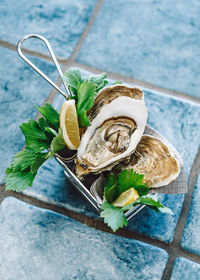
(112, 136)
(108, 94)
(155, 160)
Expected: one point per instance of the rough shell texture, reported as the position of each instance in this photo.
(155, 160)
(108, 94)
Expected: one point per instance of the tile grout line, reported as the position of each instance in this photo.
(12, 47)
(183, 216)
(180, 95)
(86, 31)
(71, 63)
(76, 49)
(99, 225)
(82, 218)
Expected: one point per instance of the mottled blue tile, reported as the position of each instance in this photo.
(153, 41)
(185, 269)
(175, 119)
(61, 22)
(40, 244)
(158, 225)
(178, 121)
(191, 238)
(20, 88)
(51, 185)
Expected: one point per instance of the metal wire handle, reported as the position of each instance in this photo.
(19, 50)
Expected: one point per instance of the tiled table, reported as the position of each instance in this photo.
(51, 246)
(185, 269)
(151, 42)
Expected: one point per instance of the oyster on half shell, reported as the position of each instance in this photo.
(112, 136)
(155, 160)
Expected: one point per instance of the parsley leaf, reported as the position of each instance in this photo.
(132, 179)
(21, 161)
(18, 181)
(85, 100)
(43, 123)
(51, 131)
(57, 143)
(39, 136)
(83, 119)
(152, 201)
(50, 114)
(23, 169)
(38, 161)
(141, 189)
(99, 81)
(117, 83)
(85, 95)
(110, 190)
(113, 216)
(36, 139)
(128, 179)
(72, 78)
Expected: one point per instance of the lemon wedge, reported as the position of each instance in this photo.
(69, 125)
(126, 198)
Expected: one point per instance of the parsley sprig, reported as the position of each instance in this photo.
(39, 136)
(84, 91)
(115, 217)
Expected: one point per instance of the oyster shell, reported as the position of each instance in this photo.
(155, 160)
(112, 136)
(108, 94)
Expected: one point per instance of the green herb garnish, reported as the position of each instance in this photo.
(39, 136)
(84, 91)
(85, 100)
(114, 217)
(116, 185)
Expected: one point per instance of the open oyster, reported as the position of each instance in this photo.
(155, 160)
(112, 136)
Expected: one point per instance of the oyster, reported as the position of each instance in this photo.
(112, 136)
(155, 160)
(108, 94)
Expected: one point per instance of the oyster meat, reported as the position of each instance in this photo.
(112, 136)
(155, 160)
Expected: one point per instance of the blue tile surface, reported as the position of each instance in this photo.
(50, 185)
(191, 238)
(185, 269)
(61, 22)
(153, 41)
(40, 244)
(20, 88)
(174, 119)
